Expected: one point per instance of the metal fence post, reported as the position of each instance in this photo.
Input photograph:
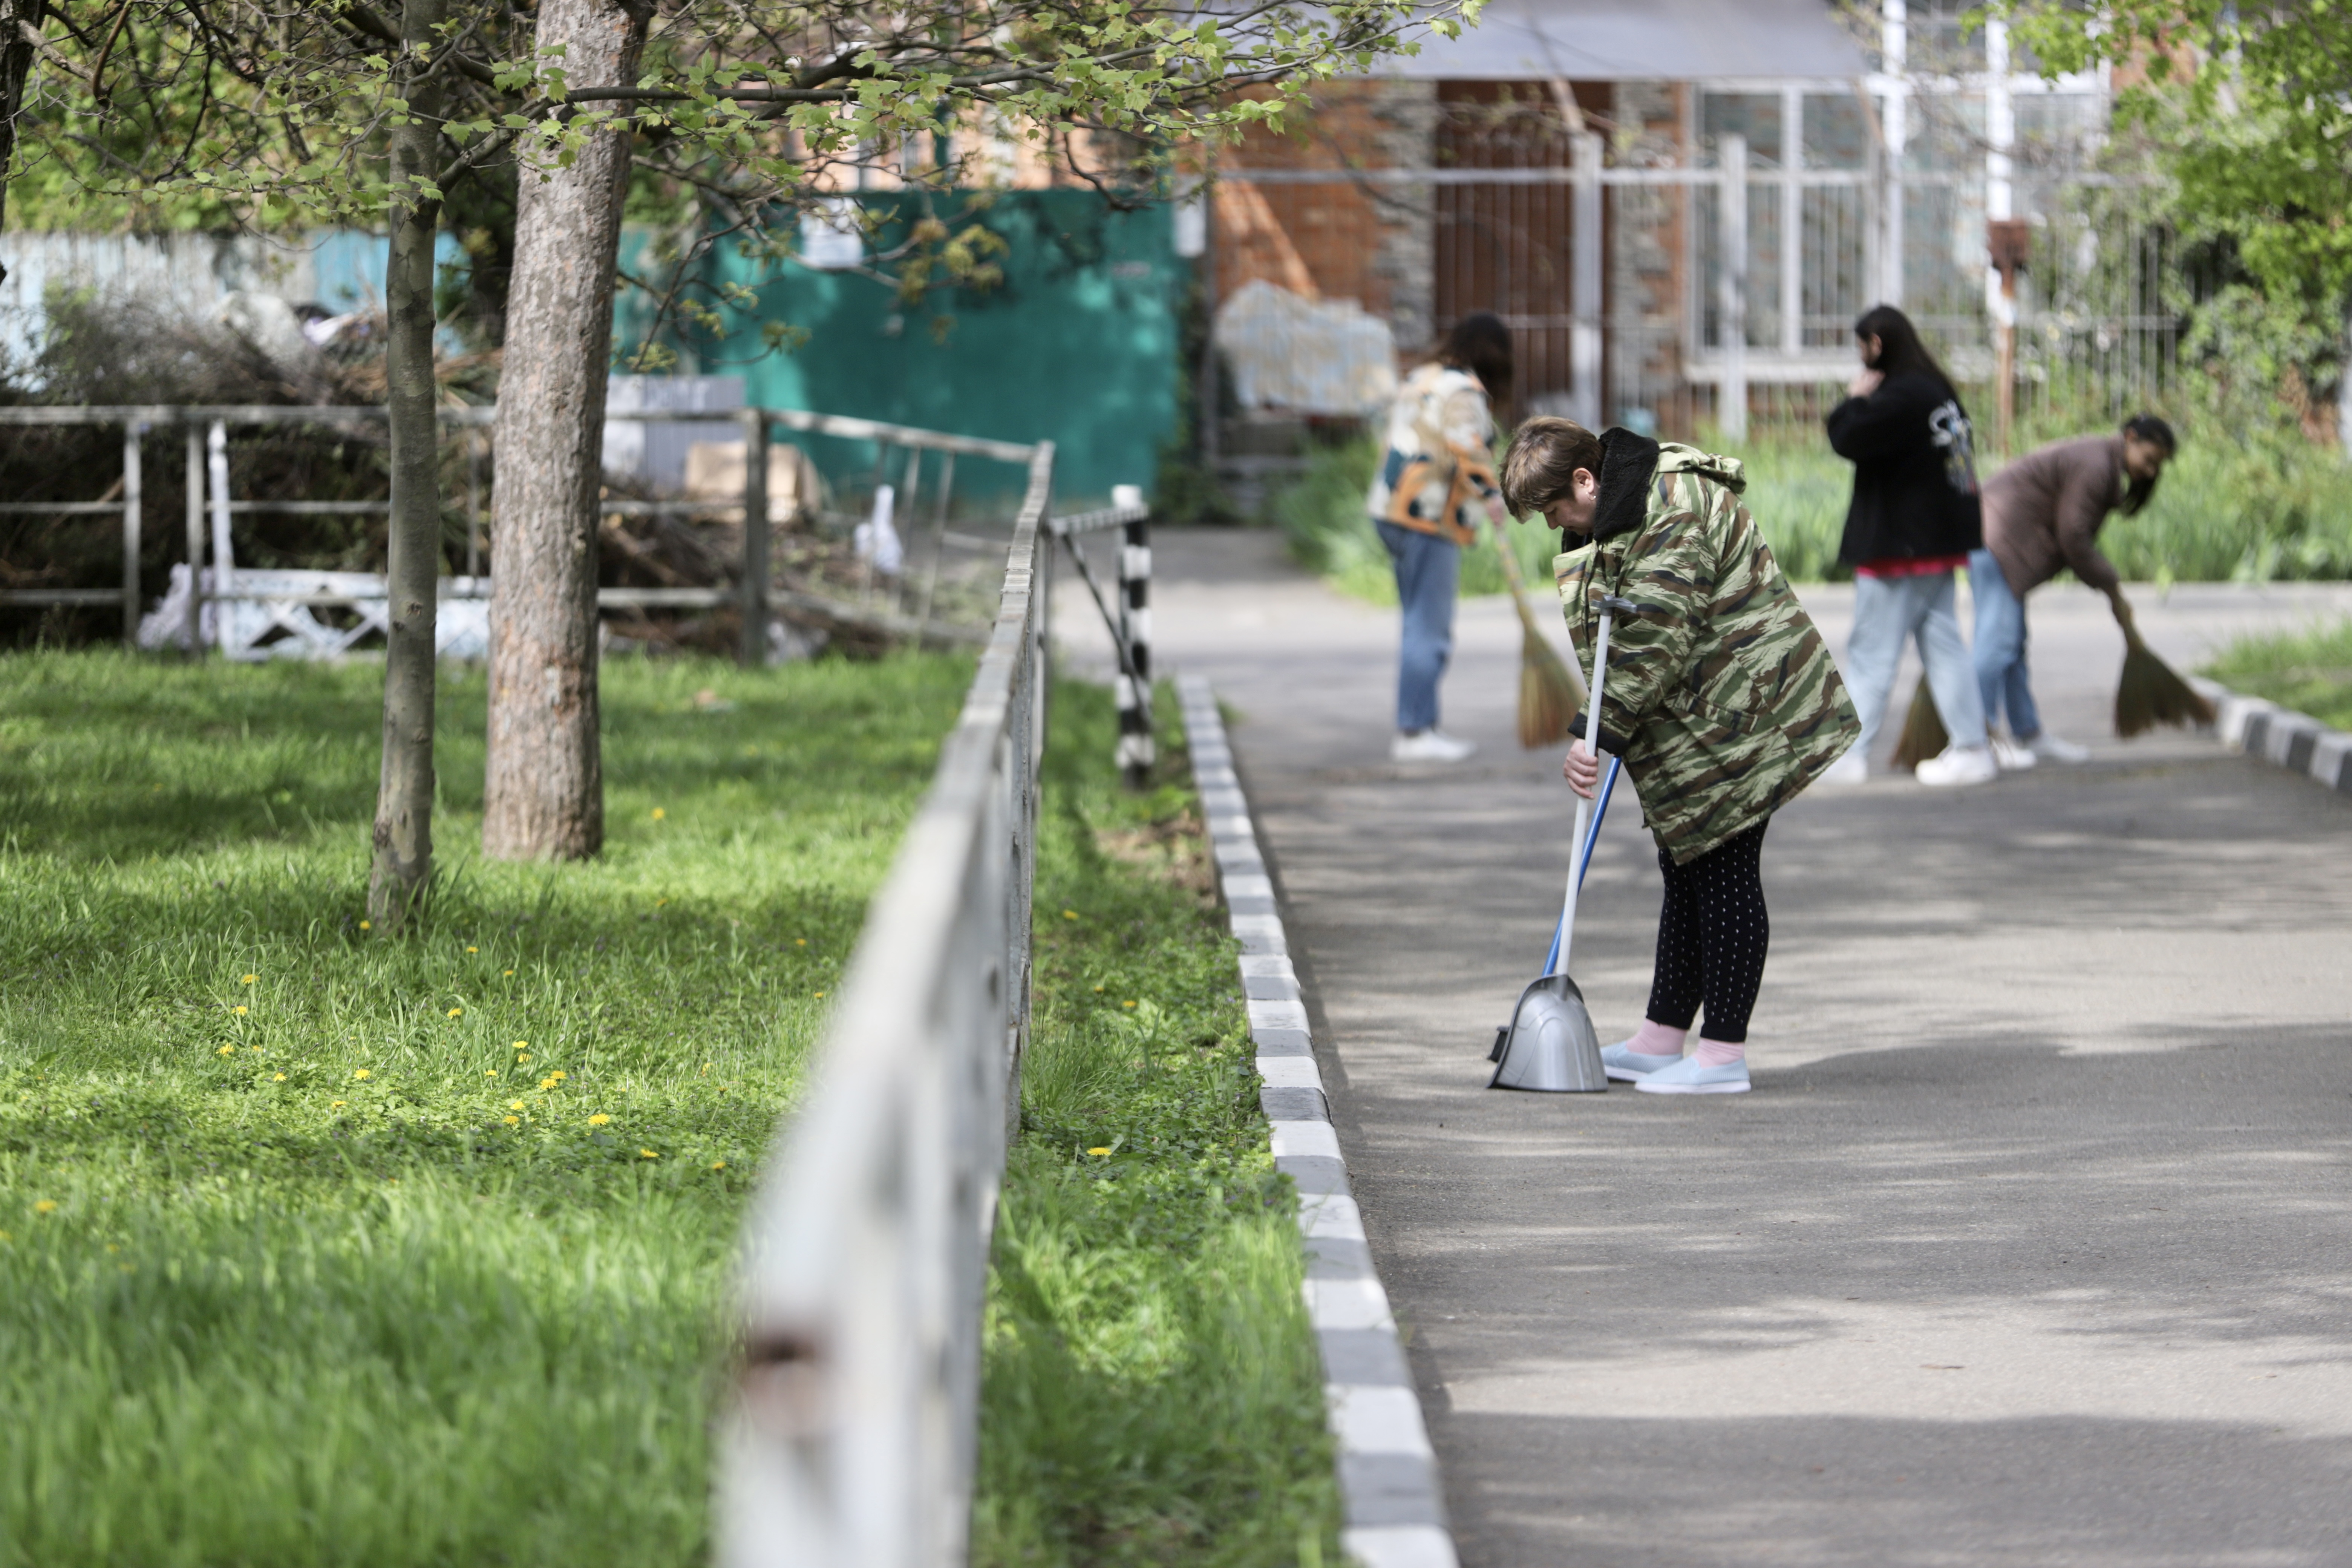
(1135, 749)
(755, 537)
(196, 541)
(132, 429)
(1584, 283)
(223, 551)
(1731, 413)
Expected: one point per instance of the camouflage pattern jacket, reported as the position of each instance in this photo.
(1721, 696)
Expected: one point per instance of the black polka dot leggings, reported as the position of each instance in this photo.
(1712, 936)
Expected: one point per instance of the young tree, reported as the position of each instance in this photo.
(543, 794)
(2251, 106)
(283, 108)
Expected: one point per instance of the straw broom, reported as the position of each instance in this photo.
(1550, 693)
(2148, 693)
(1923, 730)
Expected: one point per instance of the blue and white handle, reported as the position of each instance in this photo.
(1584, 862)
(1587, 824)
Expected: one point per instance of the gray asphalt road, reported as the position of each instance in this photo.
(2034, 1243)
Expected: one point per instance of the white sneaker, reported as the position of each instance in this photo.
(1959, 766)
(2011, 756)
(1624, 1065)
(1431, 745)
(1687, 1076)
(1850, 769)
(2052, 749)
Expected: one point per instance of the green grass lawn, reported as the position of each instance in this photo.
(320, 1248)
(1152, 1390)
(2310, 672)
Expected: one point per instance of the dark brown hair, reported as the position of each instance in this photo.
(1541, 464)
(2138, 492)
(1900, 352)
(1481, 344)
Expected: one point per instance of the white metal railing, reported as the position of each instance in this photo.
(240, 605)
(851, 1439)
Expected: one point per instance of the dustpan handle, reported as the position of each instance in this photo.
(1591, 840)
(1582, 850)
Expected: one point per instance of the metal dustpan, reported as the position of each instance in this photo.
(1549, 1045)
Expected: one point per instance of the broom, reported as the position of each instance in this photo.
(2148, 693)
(1550, 691)
(1923, 731)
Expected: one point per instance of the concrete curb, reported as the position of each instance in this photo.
(1394, 1514)
(2295, 742)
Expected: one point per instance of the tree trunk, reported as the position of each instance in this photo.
(16, 64)
(404, 804)
(544, 795)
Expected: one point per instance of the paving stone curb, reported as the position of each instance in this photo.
(2295, 742)
(1394, 1514)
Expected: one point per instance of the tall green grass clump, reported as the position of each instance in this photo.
(1152, 1392)
(321, 1247)
(2310, 671)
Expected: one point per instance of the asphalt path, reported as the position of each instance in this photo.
(2034, 1243)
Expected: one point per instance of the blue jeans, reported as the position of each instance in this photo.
(1889, 612)
(1427, 567)
(2003, 678)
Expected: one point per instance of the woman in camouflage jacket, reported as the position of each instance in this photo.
(1721, 698)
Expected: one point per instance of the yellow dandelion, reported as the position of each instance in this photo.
(514, 1105)
(367, 925)
(456, 1012)
(659, 813)
(520, 1046)
(46, 1205)
(238, 1009)
(363, 1073)
(510, 974)
(514, 1121)
(547, 1083)
(1069, 914)
(717, 1165)
(524, 1058)
(1099, 1153)
(473, 949)
(598, 1119)
(559, 1075)
(800, 942)
(489, 1072)
(227, 1050)
(278, 1078)
(1099, 990)
(335, 1104)
(648, 1154)
(251, 978)
(820, 995)
(1128, 1004)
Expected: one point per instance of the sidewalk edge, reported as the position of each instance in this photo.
(1394, 1512)
(2295, 742)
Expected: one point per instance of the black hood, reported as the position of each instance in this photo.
(1627, 461)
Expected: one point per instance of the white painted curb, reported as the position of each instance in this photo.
(2295, 742)
(1394, 1514)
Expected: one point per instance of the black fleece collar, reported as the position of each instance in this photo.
(1627, 461)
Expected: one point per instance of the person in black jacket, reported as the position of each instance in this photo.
(1914, 518)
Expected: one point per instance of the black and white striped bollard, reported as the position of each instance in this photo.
(1135, 748)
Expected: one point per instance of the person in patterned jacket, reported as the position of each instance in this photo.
(1721, 698)
(1426, 501)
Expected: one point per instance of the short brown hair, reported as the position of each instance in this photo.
(1541, 463)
